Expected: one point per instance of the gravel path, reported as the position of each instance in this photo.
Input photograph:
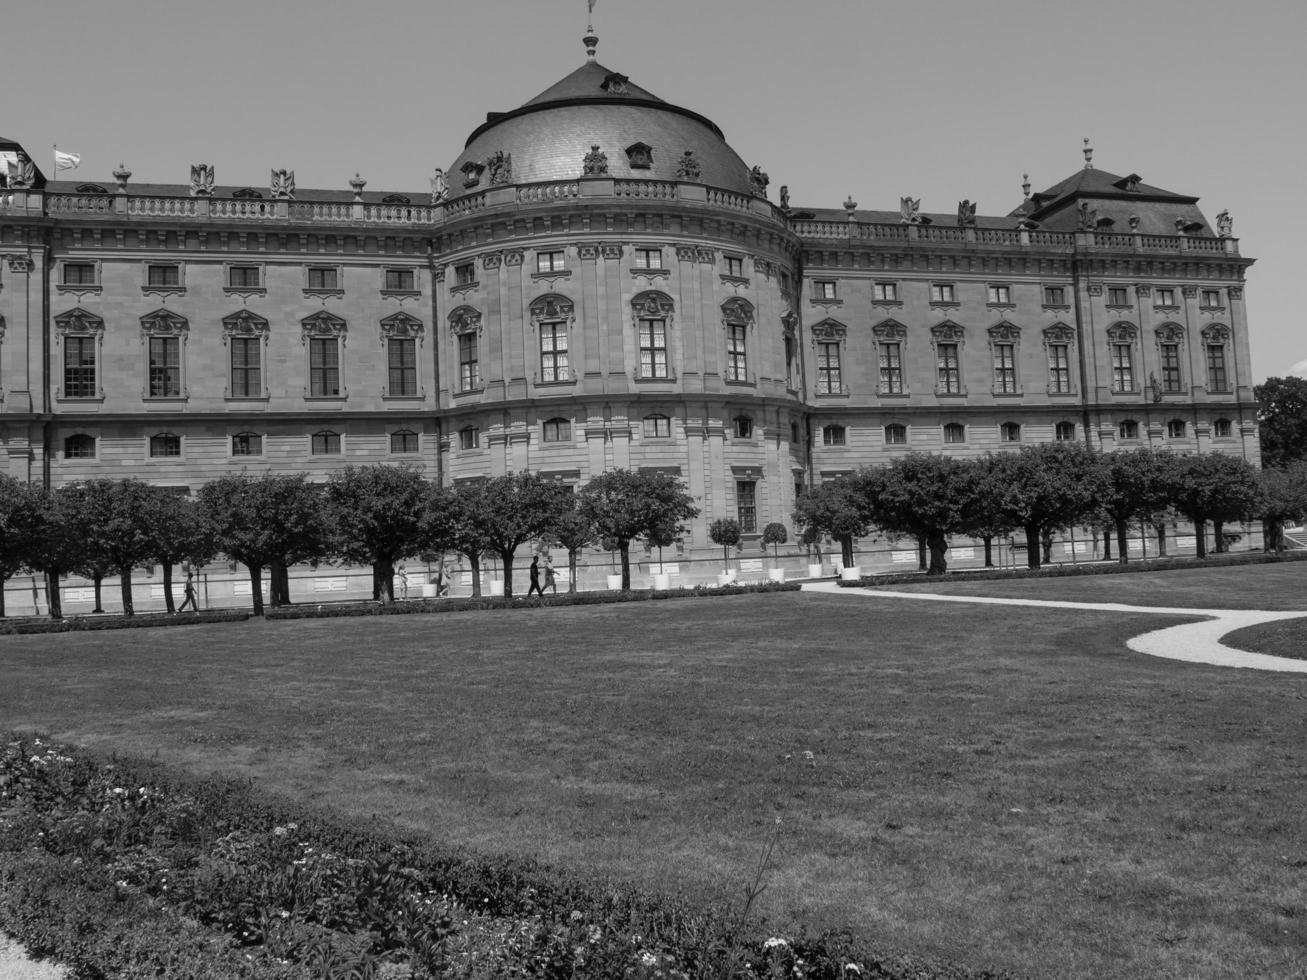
(16, 965)
(1198, 642)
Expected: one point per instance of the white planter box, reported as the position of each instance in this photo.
(776, 575)
(614, 582)
(851, 573)
(661, 581)
(429, 591)
(726, 578)
(496, 586)
(814, 571)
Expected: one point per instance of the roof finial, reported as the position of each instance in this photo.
(1089, 155)
(1025, 186)
(591, 40)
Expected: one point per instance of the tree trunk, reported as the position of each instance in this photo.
(1107, 544)
(125, 584)
(1032, 546)
(938, 545)
(256, 588)
(571, 571)
(281, 579)
(3, 580)
(167, 586)
(988, 539)
(1218, 532)
(846, 550)
(1272, 540)
(1160, 527)
(624, 547)
(1046, 543)
(507, 558)
(474, 562)
(97, 580)
(385, 573)
(923, 562)
(52, 595)
(1200, 537)
(1123, 541)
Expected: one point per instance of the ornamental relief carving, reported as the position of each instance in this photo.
(402, 326)
(552, 308)
(610, 250)
(1143, 290)
(492, 260)
(1189, 292)
(737, 310)
(164, 323)
(1004, 332)
(789, 323)
(1058, 333)
(1122, 333)
(829, 330)
(652, 304)
(20, 263)
(587, 251)
(2, 329)
(465, 320)
(78, 321)
(947, 331)
(685, 253)
(1095, 289)
(1216, 333)
(1170, 333)
(1236, 292)
(513, 256)
(889, 330)
(243, 323)
(322, 324)
(706, 255)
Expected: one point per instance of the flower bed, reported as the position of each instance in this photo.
(143, 621)
(407, 607)
(123, 868)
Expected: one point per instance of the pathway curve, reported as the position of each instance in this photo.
(1198, 642)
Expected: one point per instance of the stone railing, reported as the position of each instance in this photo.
(548, 193)
(321, 211)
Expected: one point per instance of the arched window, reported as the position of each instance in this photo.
(657, 427)
(1010, 432)
(954, 433)
(165, 444)
(1127, 429)
(557, 430)
(247, 444)
(1176, 429)
(403, 441)
(652, 312)
(1065, 432)
(896, 434)
(832, 435)
(79, 446)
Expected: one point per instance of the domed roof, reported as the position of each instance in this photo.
(596, 110)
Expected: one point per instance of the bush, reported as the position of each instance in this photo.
(78, 624)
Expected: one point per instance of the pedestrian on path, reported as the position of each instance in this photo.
(189, 595)
(402, 572)
(551, 577)
(535, 579)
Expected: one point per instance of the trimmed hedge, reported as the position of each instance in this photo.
(77, 624)
(413, 606)
(124, 868)
(1097, 568)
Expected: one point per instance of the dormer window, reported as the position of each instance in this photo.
(248, 193)
(615, 84)
(639, 156)
(90, 189)
(472, 173)
(1130, 184)
(395, 199)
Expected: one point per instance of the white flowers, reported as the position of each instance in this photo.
(775, 942)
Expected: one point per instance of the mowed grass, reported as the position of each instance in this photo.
(1005, 787)
(1270, 586)
(1286, 638)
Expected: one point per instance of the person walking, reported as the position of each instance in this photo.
(402, 573)
(535, 578)
(551, 577)
(189, 594)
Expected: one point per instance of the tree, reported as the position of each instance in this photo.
(1284, 499)
(774, 534)
(377, 513)
(984, 516)
(623, 504)
(1282, 420)
(1048, 487)
(1137, 486)
(1217, 488)
(179, 533)
(265, 521)
(114, 524)
(833, 509)
(922, 495)
(21, 508)
(515, 508)
(449, 524)
(55, 546)
(663, 536)
(725, 531)
(573, 531)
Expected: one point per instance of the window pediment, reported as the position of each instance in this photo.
(1216, 333)
(947, 331)
(652, 304)
(1122, 333)
(323, 324)
(552, 307)
(465, 319)
(164, 323)
(243, 323)
(1058, 333)
(829, 330)
(1005, 332)
(79, 321)
(737, 310)
(402, 325)
(889, 330)
(1170, 333)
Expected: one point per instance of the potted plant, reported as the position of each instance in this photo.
(614, 576)
(661, 537)
(725, 531)
(774, 534)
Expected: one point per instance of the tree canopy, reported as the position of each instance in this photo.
(835, 509)
(1282, 420)
(377, 515)
(625, 504)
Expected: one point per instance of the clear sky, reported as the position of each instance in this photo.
(937, 99)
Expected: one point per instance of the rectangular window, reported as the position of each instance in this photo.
(550, 261)
(324, 367)
(885, 292)
(247, 444)
(746, 505)
(326, 444)
(829, 381)
(404, 441)
(465, 274)
(402, 365)
(955, 433)
(1212, 298)
(896, 435)
(1118, 296)
(737, 365)
(79, 367)
(1222, 429)
(1055, 296)
(824, 289)
(165, 367)
(1164, 297)
(323, 279)
(1000, 295)
(1005, 369)
(653, 349)
(553, 352)
(950, 371)
(165, 444)
(942, 292)
(1059, 369)
(163, 275)
(1216, 379)
(891, 369)
(734, 266)
(556, 430)
(469, 377)
(243, 277)
(1123, 375)
(246, 371)
(469, 438)
(657, 427)
(79, 273)
(648, 258)
(401, 280)
(789, 362)
(1171, 367)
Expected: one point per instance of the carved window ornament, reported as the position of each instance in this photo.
(323, 324)
(651, 322)
(639, 156)
(78, 321)
(552, 309)
(472, 172)
(1058, 333)
(947, 340)
(1059, 339)
(1004, 349)
(1122, 333)
(1216, 333)
(163, 378)
(827, 331)
(164, 323)
(402, 326)
(1169, 333)
(243, 323)
(464, 320)
(652, 303)
(1005, 333)
(738, 312)
(948, 331)
(890, 330)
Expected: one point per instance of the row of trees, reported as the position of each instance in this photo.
(373, 515)
(1046, 488)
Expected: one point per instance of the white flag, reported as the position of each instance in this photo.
(66, 161)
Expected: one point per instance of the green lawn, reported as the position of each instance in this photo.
(1286, 638)
(1005, 787)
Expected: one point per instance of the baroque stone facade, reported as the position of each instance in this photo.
(602, 282)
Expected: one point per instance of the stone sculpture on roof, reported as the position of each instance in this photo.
(909, 208)
(283, 184)
(759, 180)
(500, 166)
(688, 168)
(595, 163)
(439, 186)
(1225, 225)
(201, 179)
(966, 213)
(1088, 217)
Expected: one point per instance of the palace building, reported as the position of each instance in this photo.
(599, 281)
